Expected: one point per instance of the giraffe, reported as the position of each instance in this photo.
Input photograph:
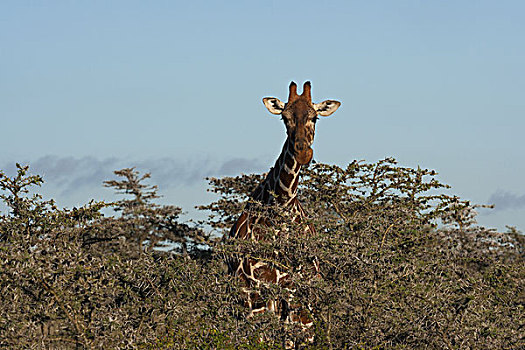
(280, 188)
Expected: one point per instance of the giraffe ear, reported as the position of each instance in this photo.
(274, 105)
(327, 107)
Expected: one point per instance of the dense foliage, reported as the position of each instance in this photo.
(402, 266)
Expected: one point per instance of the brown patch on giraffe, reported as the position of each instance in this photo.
(265, 197)
(291, 164)
(286, 179)
(257, 193)
(241, 226)
(266, 274)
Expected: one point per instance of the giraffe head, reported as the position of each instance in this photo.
(299, 115)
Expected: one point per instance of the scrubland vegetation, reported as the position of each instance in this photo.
(403, 266)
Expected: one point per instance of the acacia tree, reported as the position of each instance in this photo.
(145, 222)
(389, 277)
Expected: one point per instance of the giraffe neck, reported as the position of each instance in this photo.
(282, 180)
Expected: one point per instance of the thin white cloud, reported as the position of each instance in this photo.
(237, 165)
(71, 174)
(503, 200)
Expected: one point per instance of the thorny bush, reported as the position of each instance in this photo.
(402, 265)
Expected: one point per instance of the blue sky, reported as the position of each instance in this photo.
(175, 88)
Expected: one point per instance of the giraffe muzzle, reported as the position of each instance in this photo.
(304, 156)
(303, 151)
